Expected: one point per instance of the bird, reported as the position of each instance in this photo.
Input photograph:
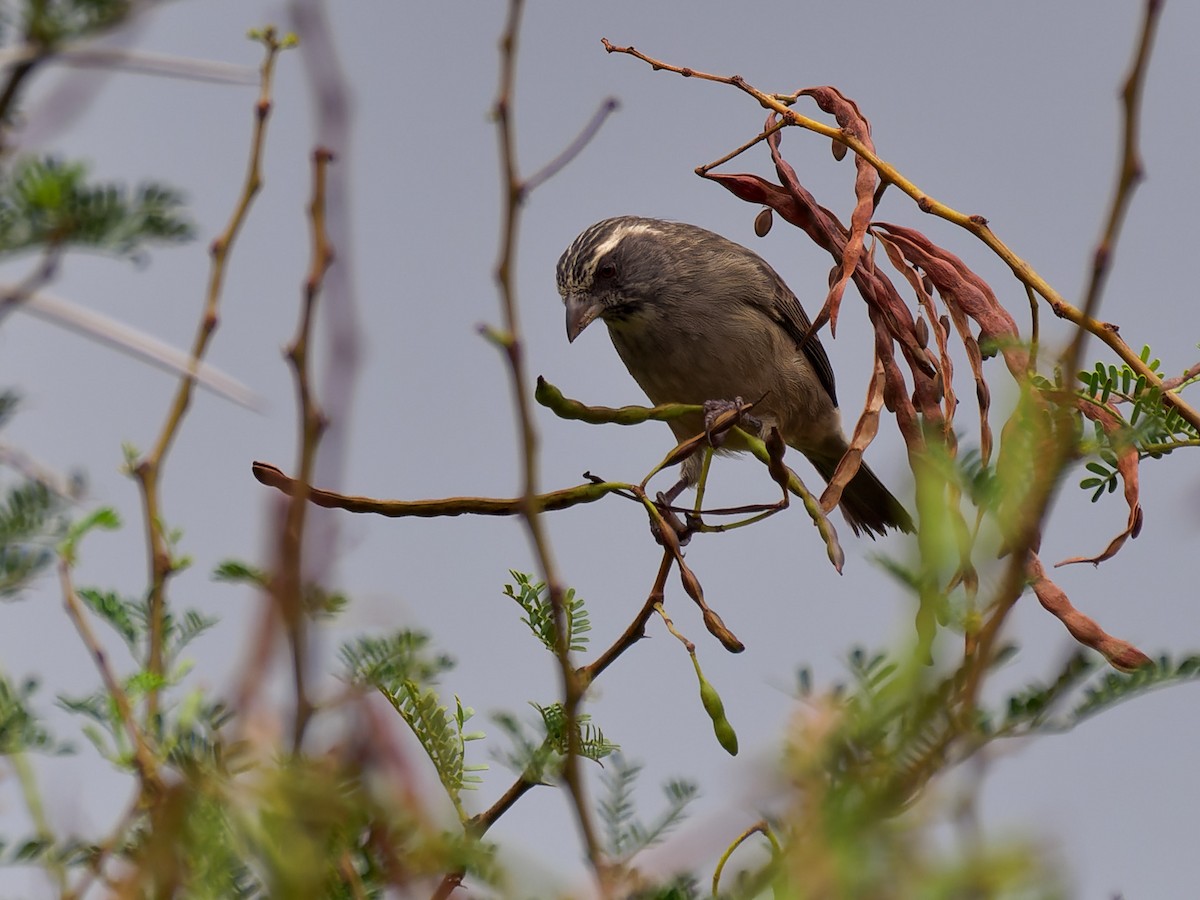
(700, 319)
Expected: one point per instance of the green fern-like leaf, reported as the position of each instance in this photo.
(625, 833)
(320, 603)
(539, 758)
(31, 524)
(235, 571)
(1113, 687)
(1148, 423)
(534, 598)
(20, 729)
(386, 662)
(593, 744)
(125, 617)
(48, 203)
(401, 670)
(51, 23)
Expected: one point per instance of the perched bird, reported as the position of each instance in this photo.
(697, 318)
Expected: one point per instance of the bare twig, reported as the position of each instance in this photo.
(1043, 483)
(18, 74)
(341, 329)
(287, 582)
(754, 141)
(637, 628)
(514, 193)
(88, 56)
(1128, 177)
(143, 756)
(15, 296)
(480, 824)
(148, 470)
(137, 344)
(104, 852)
(1171, 384)
(573, 149)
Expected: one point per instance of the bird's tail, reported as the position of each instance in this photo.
(867, 505)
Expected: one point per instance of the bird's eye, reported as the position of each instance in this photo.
(607, 270)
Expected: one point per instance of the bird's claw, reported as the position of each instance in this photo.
(683, 532)
(714, 408)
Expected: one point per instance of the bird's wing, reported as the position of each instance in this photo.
(790, 315)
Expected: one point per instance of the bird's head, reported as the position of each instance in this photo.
(615, 270)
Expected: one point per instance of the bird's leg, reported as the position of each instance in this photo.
(664, 501)
(695, 466)
(689, 475)
(668, 497)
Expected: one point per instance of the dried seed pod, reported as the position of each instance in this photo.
(763, 221)
(718, 629)
(691, 584)
(839, 150)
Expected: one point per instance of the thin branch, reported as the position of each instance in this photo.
(143, 757)
(1171, 384)
(104, 852)
(1129, 176)
(18, 74)
(17, 295)
(478, 827)
(637, 628)
(341, 329)
(134, 342)
(1044, 480)
(287, 586)
(514, 193)
(148, 469)
(701, 170)
(573, 149)
(480, 824)
(164, 64)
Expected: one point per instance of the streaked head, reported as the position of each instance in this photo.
(612, 269)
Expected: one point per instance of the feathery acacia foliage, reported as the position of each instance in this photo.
(47, 204)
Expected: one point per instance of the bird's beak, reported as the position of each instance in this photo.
(582, 310)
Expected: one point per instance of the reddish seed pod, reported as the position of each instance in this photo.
(839, 150)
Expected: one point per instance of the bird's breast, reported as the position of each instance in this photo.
(721, 357)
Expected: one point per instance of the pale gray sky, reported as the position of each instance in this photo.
(1006, 110)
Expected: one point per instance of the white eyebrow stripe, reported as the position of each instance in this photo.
(618, 234)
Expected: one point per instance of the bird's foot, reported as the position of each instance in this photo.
(713, 409)
(683, 531)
